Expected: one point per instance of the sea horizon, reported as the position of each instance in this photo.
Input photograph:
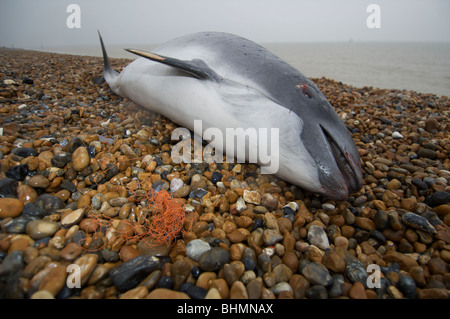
(423, 67)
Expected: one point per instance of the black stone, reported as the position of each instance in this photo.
(249, 259)
(61, 160)
(419, 183)
(196, 292)
(418, 222)
(195, 271)
(18, 225)
(214, 259)
(33, 210)
(407, 286)
(18, 172)
(438, 198)
(337, 287)
(27, 81)
(8, 187)
(355, 271)
(378, 236)
(25, 152)
(185, 286)
(91, 151)
(12, 263)
(74, 144)
(381, 220)
(130, 273)
(68, 185)
(259, 222)
(216, 177)
(165, 282)
(49, 203)
(317, 292)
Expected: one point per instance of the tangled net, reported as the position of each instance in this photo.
(160, 222)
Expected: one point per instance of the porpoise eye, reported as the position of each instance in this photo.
(305, 90)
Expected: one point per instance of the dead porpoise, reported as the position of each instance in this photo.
(230, 82)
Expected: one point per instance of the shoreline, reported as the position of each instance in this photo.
(349, 73)
(73, 155)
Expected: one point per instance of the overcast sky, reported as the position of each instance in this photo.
(36, 23)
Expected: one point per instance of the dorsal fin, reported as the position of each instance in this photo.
(197, 68)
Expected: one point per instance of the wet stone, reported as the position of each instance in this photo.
(438, 198)
(80, 159)
(213, 259)
(32, 210)
(49, 203)
(419, 222)
(38, 229)
(61, 160)
(317, 274)
(336, 288)
(130, 273)
(18, 172)
(38, 181)
(317, 292)
(25, 152)
(355, 271)
(8, 187)
(407, 286)
(10, 207)
(18, 224)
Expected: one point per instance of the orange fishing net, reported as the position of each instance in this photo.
(160, 220)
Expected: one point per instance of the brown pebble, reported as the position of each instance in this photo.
(437, 266)
(357, 291)
(80, 159)
(432, 293)
(364, 223)
(238, 291)
(38, 181)
(205, 279)
(71, 251)
(18, 244)
(333, 261)
(55, 280)
(128, 252)
(221, 285)
(10, 207)
(135, 293)
(254, 288)
(84, 201)
(87, 265)
(404, 261)
(38, 229)
(163, 293)
(26, 194)
(236, 236)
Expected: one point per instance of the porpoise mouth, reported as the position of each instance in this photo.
(348, 166)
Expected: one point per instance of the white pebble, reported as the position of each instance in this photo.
(397, 135)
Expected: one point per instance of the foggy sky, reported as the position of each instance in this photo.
(42, 23)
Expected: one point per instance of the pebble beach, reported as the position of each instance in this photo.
(80, 168)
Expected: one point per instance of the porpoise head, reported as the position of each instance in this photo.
(328, 142)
